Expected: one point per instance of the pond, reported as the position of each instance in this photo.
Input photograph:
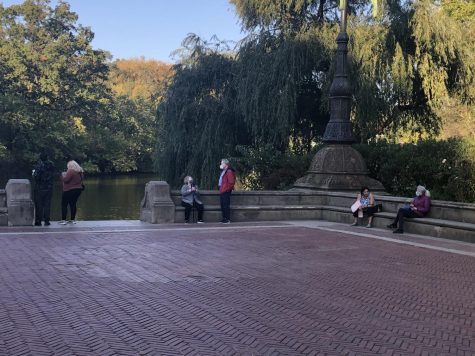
(107, 197)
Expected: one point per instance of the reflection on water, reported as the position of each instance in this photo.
(107, 198)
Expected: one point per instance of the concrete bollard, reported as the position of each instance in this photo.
(157, 206)
(21, 210)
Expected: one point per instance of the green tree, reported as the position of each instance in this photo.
(198, 123)
(52, 81)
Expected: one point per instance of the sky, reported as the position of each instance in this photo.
(153, 28)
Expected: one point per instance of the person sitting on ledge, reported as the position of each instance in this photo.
(364, 205)
(418, 208)
(190, 198)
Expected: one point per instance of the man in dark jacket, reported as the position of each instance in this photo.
(226, 186)
(43, 177)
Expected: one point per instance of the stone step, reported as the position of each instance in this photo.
(424, 226)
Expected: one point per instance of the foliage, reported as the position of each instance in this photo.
(197, 122)
(407, 67)
(140, 78)
(55, 95)
(52, 81)
(446, 168)
(266, 168)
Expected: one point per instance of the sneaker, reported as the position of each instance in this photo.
(47, 223)
(369, 226)
(187, 221)
(398, 231)
(63, 222)
(391, 226)
(74, 222)
(37, 224)
(200, 222)
(226, 222)
(354, 224)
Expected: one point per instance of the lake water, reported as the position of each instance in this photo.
(107, 198)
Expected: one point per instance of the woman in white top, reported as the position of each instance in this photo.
(367, 207)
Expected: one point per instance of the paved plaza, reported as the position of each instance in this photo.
(302, 288)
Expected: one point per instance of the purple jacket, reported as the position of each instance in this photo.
(422, 203)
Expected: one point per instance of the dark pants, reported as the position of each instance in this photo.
(70, 198)
(42, 205)
(369, 211)
(225, 200)
(188, 208)
(404, 213)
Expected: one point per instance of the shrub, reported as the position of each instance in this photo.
(269, 169)
(446, 168)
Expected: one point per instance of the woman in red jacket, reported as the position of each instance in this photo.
(226, 186)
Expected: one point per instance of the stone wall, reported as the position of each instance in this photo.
(447, 219)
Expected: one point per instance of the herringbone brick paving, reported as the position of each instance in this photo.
(233, 291)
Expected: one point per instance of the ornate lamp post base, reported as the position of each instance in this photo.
(338, 167)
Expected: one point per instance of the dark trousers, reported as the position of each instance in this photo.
(369, 211)
(42, 205)
(404, 213)
(225, 200)
(70, 198)
(188, 208)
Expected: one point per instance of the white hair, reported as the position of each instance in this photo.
(422, 189)
(187, 179)
(74, 166)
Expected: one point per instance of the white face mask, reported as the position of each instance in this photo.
(418, 193)
(221, 166)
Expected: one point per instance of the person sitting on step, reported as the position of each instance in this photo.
(364, 206)
(190, 198)
(417, 208)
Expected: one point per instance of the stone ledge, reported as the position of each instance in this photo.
(426, 226)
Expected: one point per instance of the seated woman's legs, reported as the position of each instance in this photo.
(399, 220)
(187, 210)
(200, 209)
(370, 212)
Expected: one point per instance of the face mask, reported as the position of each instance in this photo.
(418, 193)
(190, 181)
(221, 166)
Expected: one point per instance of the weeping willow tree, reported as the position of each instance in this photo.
(411, 68)
(409, 61)
(198, 123)
(423, 64)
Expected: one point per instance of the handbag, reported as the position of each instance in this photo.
(355, 206)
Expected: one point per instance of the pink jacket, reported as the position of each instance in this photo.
(72, 180)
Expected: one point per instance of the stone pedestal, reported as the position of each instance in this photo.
(3, 208)
(157, 206)
(21, 210)
(338, 167)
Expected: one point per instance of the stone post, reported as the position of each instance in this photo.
(21, 210)
(157, 206)
(3, 208)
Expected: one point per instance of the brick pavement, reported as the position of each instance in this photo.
(238, 289)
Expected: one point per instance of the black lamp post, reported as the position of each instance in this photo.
(338, 166)
(338, 129)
